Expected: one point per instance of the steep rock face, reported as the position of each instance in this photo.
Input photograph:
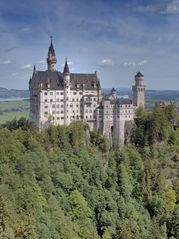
(128, 129)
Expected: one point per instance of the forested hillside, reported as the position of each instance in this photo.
(65, 183)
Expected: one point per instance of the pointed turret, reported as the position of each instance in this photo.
(66, 68)
(51, 60)
(66, 78)
(51, 49)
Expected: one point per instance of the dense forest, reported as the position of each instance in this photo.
(67, 183)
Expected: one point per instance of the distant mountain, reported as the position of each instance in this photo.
(12, 93)
(157, 95)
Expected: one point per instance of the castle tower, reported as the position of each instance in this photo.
(66, 76)
(113, 93)
(139, 90)
(51, 60)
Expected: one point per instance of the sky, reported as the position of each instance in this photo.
(116, 38)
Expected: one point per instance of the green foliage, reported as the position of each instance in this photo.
(65, 182)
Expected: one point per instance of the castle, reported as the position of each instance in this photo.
(60, 98)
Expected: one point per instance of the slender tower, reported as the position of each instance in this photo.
(139, 91)
(51, 59)
(66, 77)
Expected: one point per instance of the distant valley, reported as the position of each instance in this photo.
(15, 103)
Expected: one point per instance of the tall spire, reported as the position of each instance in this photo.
(51, 48)
(51, 60)
(66, 67)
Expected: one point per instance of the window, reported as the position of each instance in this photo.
(58, 106)
(58, 118)
(53, 106)
(51, 100)
(45, 93)
(62, 112)
(45, 100)
(61, 93)
(46, 106)
(53, 112)
(74, 92)
(61, 100)
(57, 93)
(58, 112)
(46, 113)
(51, 93)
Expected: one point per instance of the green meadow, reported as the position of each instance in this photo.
(13, 109)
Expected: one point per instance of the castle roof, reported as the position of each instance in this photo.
(55, 80)
(84, 81)
(51, 49)
(139, 74)
(66, 68)
(123, 101)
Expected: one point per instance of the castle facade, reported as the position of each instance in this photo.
(60, 98)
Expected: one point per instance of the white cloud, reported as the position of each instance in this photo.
(25, 29)
(7, 62)
(106, 62)
(129, 63)
(171, 7)
(42, 62)
(70, 63)
(134, 63)
(142, 63)
(27, 66)
(14, 73)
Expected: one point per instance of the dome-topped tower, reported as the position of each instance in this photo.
(51, 60)
(139, 90)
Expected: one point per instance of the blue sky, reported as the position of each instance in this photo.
(113, 37)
